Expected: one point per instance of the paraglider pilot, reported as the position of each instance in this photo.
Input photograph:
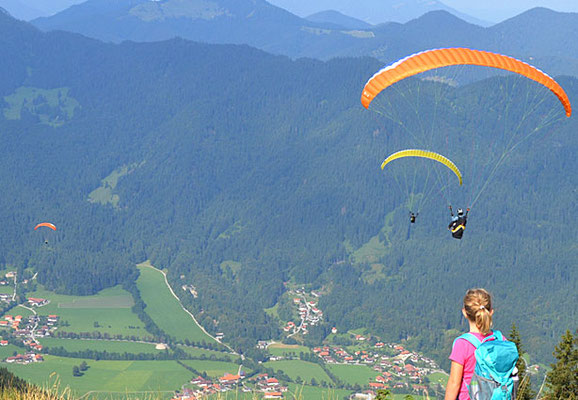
(412, 217)
(458, 224)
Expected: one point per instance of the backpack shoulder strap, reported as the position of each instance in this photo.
(496, 335)
(470, 338)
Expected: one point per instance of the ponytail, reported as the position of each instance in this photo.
(478, 307)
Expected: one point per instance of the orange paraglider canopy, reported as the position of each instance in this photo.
(47, 224)
(437, 58)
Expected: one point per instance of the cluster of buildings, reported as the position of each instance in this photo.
(27, 358)
(268, 387)
(309, 313)
(397, 367)
(28, 329)
(32, 326)
(10, 321)
(206, 387)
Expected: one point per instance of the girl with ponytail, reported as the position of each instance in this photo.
(478, 311)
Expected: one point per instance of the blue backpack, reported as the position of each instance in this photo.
(496, 359)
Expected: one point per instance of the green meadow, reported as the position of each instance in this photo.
(6, 289)
(53, 107)
(109, 311)
(281, 349)
(297, 368)
(214, 369)
(439, 377)
(111, 346)
(8, 351)
(352, 374)
(198, 352)
(105, 376)
(164, 308)
(19, 310)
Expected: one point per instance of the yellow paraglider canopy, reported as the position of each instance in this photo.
(424, 154)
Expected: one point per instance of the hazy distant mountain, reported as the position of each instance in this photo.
(253, 22)
(19, 10)
(373, 11)
(338, 19)
(30, 9)
(325, 35)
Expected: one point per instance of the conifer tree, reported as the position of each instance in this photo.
(525, 391)
(562, 381)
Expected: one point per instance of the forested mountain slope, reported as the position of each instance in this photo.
(191, 155)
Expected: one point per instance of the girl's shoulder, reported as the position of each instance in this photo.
(476, 338)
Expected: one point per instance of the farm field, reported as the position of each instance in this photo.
(198, 352)
(19, 310)
(214, 369)
(8, 351)
(439, 377)
(352, 374)
(6, 289)
(281, 349)
(164, 309)
(105, 376)
(107, 312)
(297, 368)
(111, 346)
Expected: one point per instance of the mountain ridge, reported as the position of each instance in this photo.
(280, 32)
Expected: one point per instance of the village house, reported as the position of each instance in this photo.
(272, 382)
(273, 395)
(35, 302)
(229, 379)
(201, 382)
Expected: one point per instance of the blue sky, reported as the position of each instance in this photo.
(498, 10)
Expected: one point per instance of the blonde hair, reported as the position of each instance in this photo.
(478, 307)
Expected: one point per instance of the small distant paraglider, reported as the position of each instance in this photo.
(48, 225)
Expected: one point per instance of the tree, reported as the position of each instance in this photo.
(76, 371)
(383, 394)
(83, 366)
(525, 391)
(562, 381)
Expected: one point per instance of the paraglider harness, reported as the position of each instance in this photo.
(458, 224)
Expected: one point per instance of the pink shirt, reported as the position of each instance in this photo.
(463, 354)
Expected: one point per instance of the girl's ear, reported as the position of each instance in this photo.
(492, 312)
(464, 313)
